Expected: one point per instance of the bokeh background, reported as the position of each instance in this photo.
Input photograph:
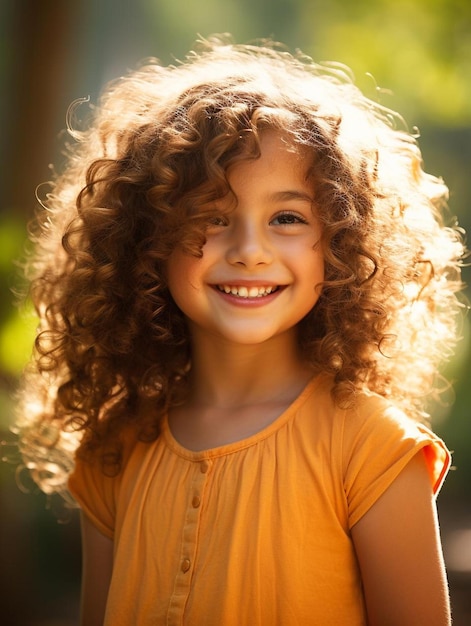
(54, 51)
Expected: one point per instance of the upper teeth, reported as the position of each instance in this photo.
(246, 292)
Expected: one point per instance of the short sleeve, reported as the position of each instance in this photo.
(377, 445)
(94, 492)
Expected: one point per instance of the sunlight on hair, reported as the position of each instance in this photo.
(144, 168)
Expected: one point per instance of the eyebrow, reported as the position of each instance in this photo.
(292, 194)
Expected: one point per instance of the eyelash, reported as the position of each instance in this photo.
(218, 220)
(297, 218)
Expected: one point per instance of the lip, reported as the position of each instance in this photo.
(256, 301)
(247, 283)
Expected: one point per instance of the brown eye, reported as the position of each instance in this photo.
(288, 218)
(217, 220)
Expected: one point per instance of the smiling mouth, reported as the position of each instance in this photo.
(248, 292)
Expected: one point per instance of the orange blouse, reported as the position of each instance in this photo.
(256, 532)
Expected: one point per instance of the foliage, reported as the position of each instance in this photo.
(421, 49)
(17, 323)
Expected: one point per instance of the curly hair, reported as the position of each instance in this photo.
(112, 348)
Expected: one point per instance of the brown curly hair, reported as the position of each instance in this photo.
(112, 348)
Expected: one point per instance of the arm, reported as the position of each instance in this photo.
(399, 552)
(96, 573)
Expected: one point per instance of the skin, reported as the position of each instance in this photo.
(246, 370)
(271, 239)
(246, 348)
(97, 566)
(400, 554)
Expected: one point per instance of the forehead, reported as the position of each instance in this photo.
(276, 148)
(280, 170)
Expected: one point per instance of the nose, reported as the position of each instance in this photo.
(249, 245)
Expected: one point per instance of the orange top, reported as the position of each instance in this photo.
(258, 531)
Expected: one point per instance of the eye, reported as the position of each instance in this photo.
(286, 218)
(217, 221)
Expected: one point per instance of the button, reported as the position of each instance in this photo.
(196, 502)
(204, 467)
(185, 565)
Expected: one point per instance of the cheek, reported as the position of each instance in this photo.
(315, 276)
(182, 273)
(318, 261)
(313, 265)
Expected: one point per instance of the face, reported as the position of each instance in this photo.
(262, 262)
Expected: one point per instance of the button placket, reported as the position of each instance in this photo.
(189, 546)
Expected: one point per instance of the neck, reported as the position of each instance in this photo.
(226, 375)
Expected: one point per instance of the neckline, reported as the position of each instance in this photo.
(236, 446)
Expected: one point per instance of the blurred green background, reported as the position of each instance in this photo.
(54, 51)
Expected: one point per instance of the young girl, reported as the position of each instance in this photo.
(245, 288)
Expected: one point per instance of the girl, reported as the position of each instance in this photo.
(245, 288)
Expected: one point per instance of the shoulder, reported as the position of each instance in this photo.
(379, 440)
(367, 443)
(374, 422)
(366, 417)
(97, 480)
(364, 409)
